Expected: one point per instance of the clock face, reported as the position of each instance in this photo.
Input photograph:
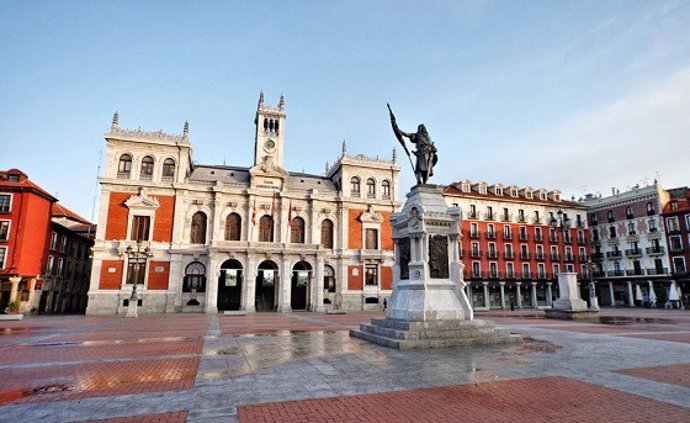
(270, 144)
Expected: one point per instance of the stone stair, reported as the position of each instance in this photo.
(437, 334)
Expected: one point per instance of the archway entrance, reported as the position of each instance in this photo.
(301, 277)
(266, 283)
(230, 285)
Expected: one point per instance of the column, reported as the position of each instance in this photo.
(651, 295)
(549, 294)
(285, 286)
(213, 272)
(631, 298)
(534, 295)
(611, 296)
(14, 281)
(503, 295)
(174, 295)
(317, 286)
(249, 287)
(518, 295)
(486, 294)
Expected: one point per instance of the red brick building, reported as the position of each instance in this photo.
(676, 215)
(510, 248)
(37, 235)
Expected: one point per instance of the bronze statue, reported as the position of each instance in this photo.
(425, 152)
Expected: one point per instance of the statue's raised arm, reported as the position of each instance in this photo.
(425, 152)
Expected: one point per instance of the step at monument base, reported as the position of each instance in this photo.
(437, 334)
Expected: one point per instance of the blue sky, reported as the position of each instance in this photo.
(579, 96)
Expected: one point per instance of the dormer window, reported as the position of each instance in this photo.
(124, 166)
(513, 192)
(146, 168)
(557, 197)
(465, 187)
(499, 191)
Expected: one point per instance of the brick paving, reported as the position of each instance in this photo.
(203, 368)
(531, 400)
(675, 374)
(180, 417)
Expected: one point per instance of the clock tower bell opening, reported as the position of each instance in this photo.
(270, 132)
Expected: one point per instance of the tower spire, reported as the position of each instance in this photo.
(116, 121)
(344, 148)
(185, 130)
(395, 155)
(261, 98)
(281, 103)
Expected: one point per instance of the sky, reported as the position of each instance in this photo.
(577, 96)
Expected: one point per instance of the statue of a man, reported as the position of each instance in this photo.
(425, 152)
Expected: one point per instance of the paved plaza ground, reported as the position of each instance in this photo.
(632, 366)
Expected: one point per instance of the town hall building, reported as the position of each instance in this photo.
(214, 238)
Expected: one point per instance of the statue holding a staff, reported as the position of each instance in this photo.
(425, 152)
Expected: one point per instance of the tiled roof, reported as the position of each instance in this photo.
(61, 211)
(453, 190)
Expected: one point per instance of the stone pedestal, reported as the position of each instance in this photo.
(429, 307)
(133, 305)
(569, 305)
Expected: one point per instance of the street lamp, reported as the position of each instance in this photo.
(136, 258)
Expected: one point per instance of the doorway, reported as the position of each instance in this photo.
(230, 286)
(266, 282)
(301, 277)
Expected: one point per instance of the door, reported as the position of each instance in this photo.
(265, 290)
(229, 289)
(300, 282)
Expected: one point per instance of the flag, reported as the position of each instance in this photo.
(254, 214)
(290, 214)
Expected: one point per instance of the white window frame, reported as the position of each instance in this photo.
(675, 225)
(687, 222)
(556, 268)
(11, 199)
(50, 263)
(525, 268)
(541, 269)
(4, 257)
(9, 229)
(60, 266)
(670, 242)
(54, 241)
(673, 262)
(63, 244)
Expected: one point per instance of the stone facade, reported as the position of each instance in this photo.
(218, 238)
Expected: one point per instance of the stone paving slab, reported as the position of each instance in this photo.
(535, 400)
(683, 337)
(180, 417)
(675, 374)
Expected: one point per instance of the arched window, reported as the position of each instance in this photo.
(371, 188)
(327, 234)
(297, 231)
(354, 187)
(650, 209)
(146, 168)
(198, 232)
(386, 188)
(328, 278)
(168, 169)
(629, 212)
(194, 277)
(266, 229)
(124, 166)
(609, 214)
(233, 227)
(276, 127)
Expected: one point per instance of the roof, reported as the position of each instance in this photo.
(453, 190)
(61, 211)
(24, 184)
(240, 175)
(681, 198)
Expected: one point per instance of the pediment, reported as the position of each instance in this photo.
(142, 201)
(371, 216)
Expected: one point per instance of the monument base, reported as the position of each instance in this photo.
(569, 305)
(433, 334)
(572, 315)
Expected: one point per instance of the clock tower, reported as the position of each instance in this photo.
(270, 130)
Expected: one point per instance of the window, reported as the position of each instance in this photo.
(372, 239)
(474, 230)
(168, 169)
(63, 245)
(679, 265)
(49, 265)
(146, 168)
(327, 234)
(328, 278)
(537, 234)
(124, 166)
(194, 278)
(542, 270)
(510, 270)
(540, 252)
(490, 213)
(525, 271)
(13, 178)
(60, 266)
(674, 205)
(490, 230)
(672, 224)
(594, 219)
(371, 188)
(629, 212)
(609, 214)
(136, 270)
(506, 232)
(650, 209)
(140, 228)
(297, 230)
(233, 227)
(386, 188)
(3, 256)
(4, 230)
(198, 229)
(612, 231)
(266, 229)
(676, 243)
(473, 211)
(687, 222)
(521, 216)
(371, 275)
(493, 270)
(476, 270)
(354, 187)
(556, 269)
(631, 229)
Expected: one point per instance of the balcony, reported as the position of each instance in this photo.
(492, 254)
(681, 272)
(509, 255)
(506, 217)
(597, 256)
(553, 239)
(651, 212)
(611, 219)
(673, 230)
(146, 176)
(656, 272)
(489, 216)
(522, 219)
(676, 248)
(632, 234)
(507, 236)
(474, 235)
(537, 220)
(568, 239)
(615, 273)
(581, 240)
(629, 216)
(491, 235)
(476, 254)
(526, 276)
(473, 215)
(614, 254)
(511, 275)
(477, 274)
(656, 251)
(555, 257)
(580, 224)
(584, 276)
(524, 237)
(542, 276)
(494, 275)
(539, 256)
(634, 272)
(123, 175)
(539, 237)
(633, 252)
(524, 255)
(569, 258)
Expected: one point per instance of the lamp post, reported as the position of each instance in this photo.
(137, 258)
